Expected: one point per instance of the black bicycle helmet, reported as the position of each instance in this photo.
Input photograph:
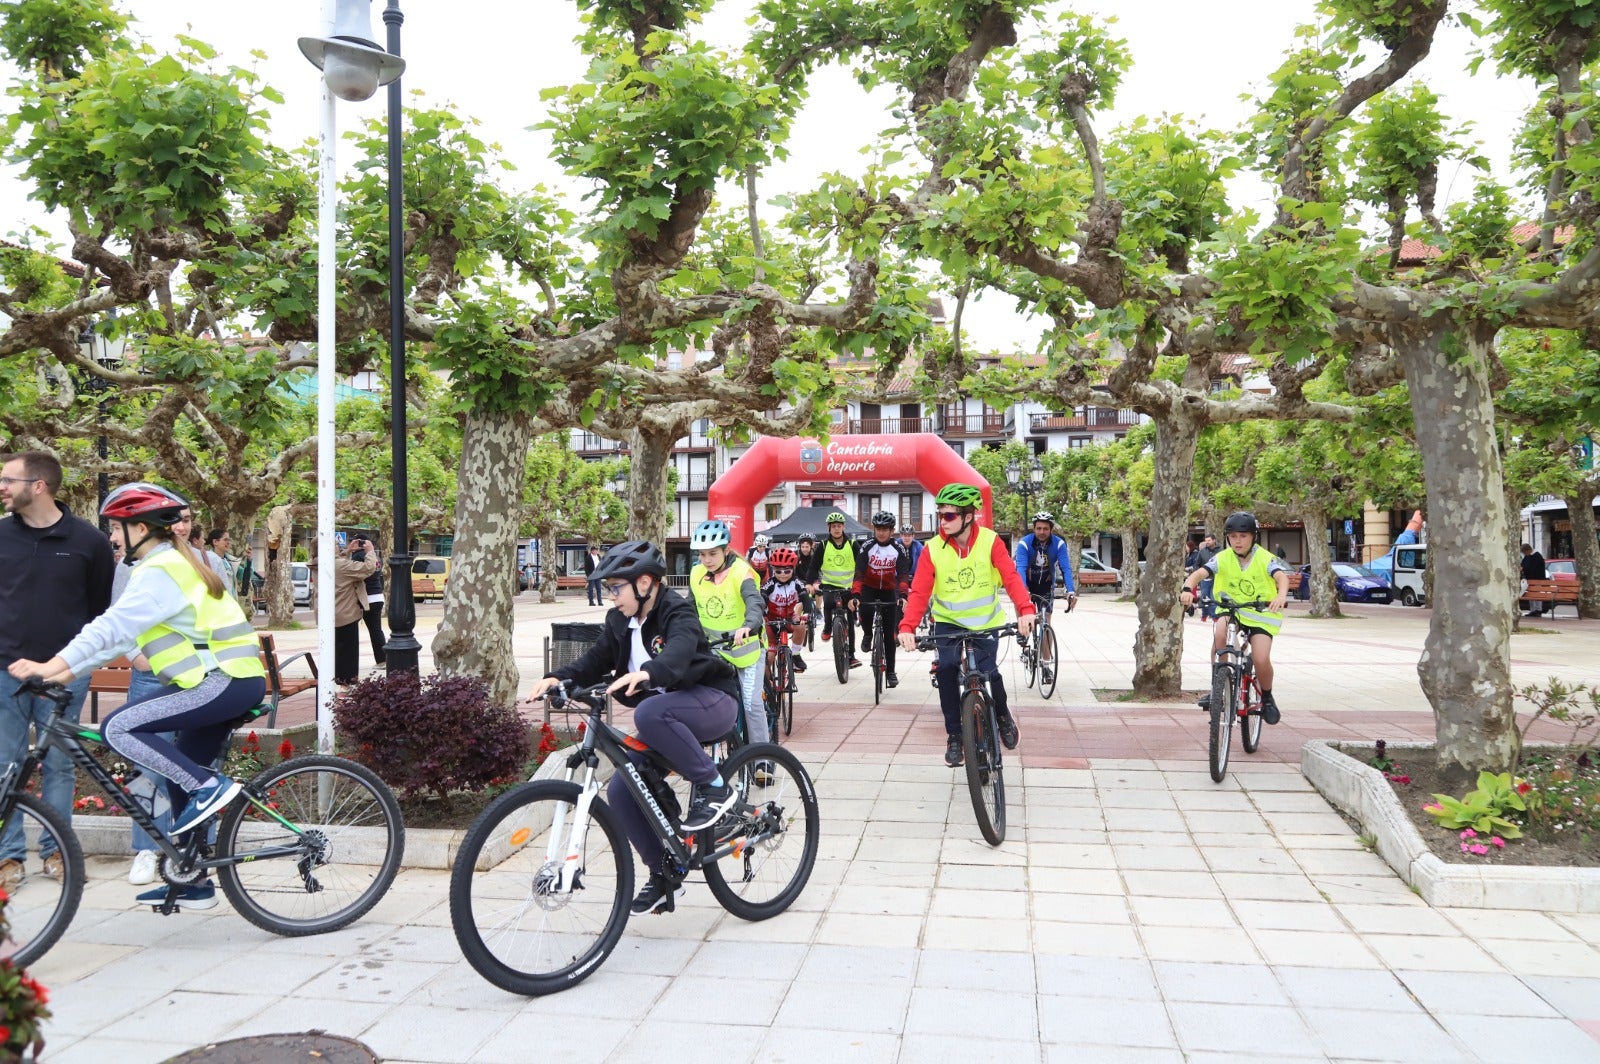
(883, 519)
(1242, 522)
(628, 560)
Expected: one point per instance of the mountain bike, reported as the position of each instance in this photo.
(880, 653)
(980, 731)
(778, 685)
(310, 845)
(540, 890)
(1039, 658)
(1235, 693)
(813, 622)
(839, 630)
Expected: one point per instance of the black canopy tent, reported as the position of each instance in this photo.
(812, 519)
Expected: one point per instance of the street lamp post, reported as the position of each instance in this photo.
(1025, 481)
(94, 345)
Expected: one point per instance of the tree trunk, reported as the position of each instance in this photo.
(1585, 549)
(548, 574)
(1158, 646)
(1466, 660)
(279, 588)
(475, 636)
(1324, 587)
(1513, 556)
(647, 482)
(1129, 573)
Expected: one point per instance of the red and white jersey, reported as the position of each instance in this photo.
(758, 561)
(783, 600)
(882, 565)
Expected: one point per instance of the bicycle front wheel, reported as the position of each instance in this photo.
(980, 748)
(841, 645)
(1048, 672)
(343, 834)
(775, 830)
(41, 906)
(518, 925)
(880, 658)
(787, 711)
(1223, 696)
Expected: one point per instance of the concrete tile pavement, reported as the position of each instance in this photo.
(1136, 912)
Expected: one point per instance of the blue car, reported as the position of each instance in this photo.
(1356, 583)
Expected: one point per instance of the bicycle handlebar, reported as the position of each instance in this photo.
(55, 692)
(932, 642)
(1228, 605)
(593, 696)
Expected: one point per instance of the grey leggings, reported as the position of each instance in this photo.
(202, 716)
(674, 724)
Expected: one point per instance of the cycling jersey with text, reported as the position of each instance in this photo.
(882, 565)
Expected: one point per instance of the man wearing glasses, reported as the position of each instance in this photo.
(55, 577)
(961, 573)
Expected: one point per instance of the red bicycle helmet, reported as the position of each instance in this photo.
(783, 558)
(147, 504)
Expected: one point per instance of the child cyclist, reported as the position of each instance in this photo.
(787, 600)
(1246, 572)
(760, 548)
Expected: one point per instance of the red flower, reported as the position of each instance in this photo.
(1523, 787)
(5, 1035)
(286, 749)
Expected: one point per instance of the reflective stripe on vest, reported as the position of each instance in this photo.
(230, 638)
(838, 564)
(721, 609)
(966, 591)
(1248, 584)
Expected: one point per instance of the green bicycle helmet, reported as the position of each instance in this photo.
(964, 496)
(835, 518)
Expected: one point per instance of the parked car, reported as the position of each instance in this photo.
(1562, 570)
(300, 580)
(1356, 583)
(429, 573)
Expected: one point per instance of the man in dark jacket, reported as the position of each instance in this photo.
(1533, 569)
(591, 558)
(55, 577)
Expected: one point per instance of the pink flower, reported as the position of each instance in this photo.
(1469, 834)
(1463, 847)
(1479, 848)
(1499, 843)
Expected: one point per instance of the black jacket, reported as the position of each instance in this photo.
(680, 657)
(53, 581)
(1533, 567)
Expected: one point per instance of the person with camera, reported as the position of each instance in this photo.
(350, 574)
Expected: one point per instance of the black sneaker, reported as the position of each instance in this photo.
(892, 680)
(658, 896)
(1008, 729)
(708, 805)
(798, 662)
(952, 752)
(1269, 708)
(866, 644)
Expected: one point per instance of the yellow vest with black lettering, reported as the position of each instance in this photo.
(838, 564)
(1249, 583)
(230, 637)
(966, 591)
(721, 609)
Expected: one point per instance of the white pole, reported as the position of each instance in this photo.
(327, 264)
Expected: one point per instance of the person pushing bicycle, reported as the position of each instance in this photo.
(1245, 572)
(961, 575)
(883, 567)
(1039, 556)
(682, 692)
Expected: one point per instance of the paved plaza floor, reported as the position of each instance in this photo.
(1137, 911)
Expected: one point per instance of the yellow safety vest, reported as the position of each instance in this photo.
(721, 609)
(838, 564)
(228, 635)
(966, 591)
(1248, 583)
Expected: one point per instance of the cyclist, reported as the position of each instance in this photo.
(758, 557)
(727, 596)
(1039, 556)
(682, 695)
(908, 536)
(808, 567)
(883, 568)
(1244, 572)
(961, 574)
(836, 573)
(176, 611)
(787, 600)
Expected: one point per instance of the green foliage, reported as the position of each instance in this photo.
(1533, 37)
(56, 37)
(1399, 149)
(1084, 67)
(34, 280)
(1283, 289)
(490, 367)
(1479, 230)
(1486, 810)
(1170, 182)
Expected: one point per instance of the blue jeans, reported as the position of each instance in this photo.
(144, 685)
(1206, 587)
(15, 717)
(948, 657)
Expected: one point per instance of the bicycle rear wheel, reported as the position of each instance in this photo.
(980, 748)
(786, 711)
(515, 924)
(1223, 695)
(1049, 674)
(879, 657)
(41, 907)
(346, 833)
(775, 829)
(1249, 709)
(841, 648)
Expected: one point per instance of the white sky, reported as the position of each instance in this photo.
(1194, 57)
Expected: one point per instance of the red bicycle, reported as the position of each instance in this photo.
(778, 686)
(1235, 692)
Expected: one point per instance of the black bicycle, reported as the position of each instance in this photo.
(778, 683)
(839, 629)
(1235, 692)
(880, 653)
(980, 731)
(1039, 658)
(309, 846)
(540, 889)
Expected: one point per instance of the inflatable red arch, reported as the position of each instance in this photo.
(919, 456)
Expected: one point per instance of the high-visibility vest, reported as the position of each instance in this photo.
(838, 564)
(229, 636)
(966, 591)
(721, 609)
(1249, 583)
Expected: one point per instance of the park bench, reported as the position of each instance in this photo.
(1088, 578)
(565, 583)
(1554, 592)
(114, 676)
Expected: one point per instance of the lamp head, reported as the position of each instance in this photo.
(351, 61)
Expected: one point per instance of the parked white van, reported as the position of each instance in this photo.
(1410, 562)
(300, 580)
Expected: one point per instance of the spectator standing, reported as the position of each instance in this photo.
(218, 544)
(349, 607)
(591, 560)
(374, 615)
(1533, 568)
(1204, 553)
(55, 577)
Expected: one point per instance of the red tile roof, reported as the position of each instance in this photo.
(70, 268)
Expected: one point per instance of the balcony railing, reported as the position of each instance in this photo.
(991, 424)
(588, 442)
(695, 482)
(883, 426)
(1096, 417)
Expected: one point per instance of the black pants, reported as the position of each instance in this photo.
(374, 619)
(347, 652)
(873, 602)
(949, 674)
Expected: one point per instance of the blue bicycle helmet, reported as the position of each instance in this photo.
(710, 534)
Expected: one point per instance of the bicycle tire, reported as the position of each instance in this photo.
(503, 874)
(841, 651)
(786, 712)
(1047, 662)
(815, 620)
(772, 697)
(41, 909)
(368, 842)
(980, 749)
(1250, 721)
(1222, 703)
(777, 867)
(879, 658)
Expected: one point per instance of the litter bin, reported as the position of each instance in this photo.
(568, 641)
